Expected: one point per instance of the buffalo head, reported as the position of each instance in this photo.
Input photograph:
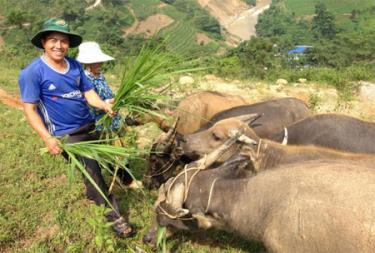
(198, 144)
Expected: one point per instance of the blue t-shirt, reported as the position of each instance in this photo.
(61, 103)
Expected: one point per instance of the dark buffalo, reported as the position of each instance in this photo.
(275, 115)
(334, 131)
(319, 206)
(264, 153)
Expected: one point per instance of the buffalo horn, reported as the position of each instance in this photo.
(285, 140)
(166, 139)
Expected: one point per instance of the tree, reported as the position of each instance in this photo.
(323, 24)
(17, 17)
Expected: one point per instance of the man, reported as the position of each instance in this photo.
(55, 93)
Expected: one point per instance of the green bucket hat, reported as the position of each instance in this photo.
(56, 25)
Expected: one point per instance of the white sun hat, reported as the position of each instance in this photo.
(90, 52)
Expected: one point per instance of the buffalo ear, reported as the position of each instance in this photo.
(248, 118)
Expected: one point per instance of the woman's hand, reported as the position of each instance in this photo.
(107, 107)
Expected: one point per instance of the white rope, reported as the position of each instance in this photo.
(210, 195)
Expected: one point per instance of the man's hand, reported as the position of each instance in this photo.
(53, 146)
(36, 122)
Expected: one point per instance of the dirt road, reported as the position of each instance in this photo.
(234, 16)
(243, 25)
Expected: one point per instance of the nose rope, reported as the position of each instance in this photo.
(201, 164)
(173, 217)
(168, 165)
(210, 195)
(258, 150)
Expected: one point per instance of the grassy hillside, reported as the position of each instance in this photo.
(306, 7)
(20, 20)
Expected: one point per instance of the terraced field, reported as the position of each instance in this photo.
(179, 37)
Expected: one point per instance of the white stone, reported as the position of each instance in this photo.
(185, 80)
(367, 91)
(281, 82)
(302, 80)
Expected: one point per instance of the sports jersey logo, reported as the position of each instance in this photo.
(52, 87)
(76, 93)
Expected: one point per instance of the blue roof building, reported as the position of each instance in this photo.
(300, 49)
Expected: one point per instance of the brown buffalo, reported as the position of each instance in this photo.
(319, 206)
(198, 144)
(196, 110)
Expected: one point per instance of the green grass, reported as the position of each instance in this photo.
(144, 8)
(307, 7)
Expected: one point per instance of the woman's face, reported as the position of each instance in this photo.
(95, 68)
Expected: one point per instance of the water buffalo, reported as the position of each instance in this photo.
(264, 153)
(319, 206)
(274, 115)
(335, 131)
(198, 144)
(196, 110)
(338, 132)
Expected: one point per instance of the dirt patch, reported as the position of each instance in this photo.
(236, 18)
(1, 41)
(223, 10)
(10, 100)
(149, 26)
(202, 39)
(97, 3)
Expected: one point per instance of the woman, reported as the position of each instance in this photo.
(91, 55)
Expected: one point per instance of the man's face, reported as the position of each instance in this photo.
(56, 46)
